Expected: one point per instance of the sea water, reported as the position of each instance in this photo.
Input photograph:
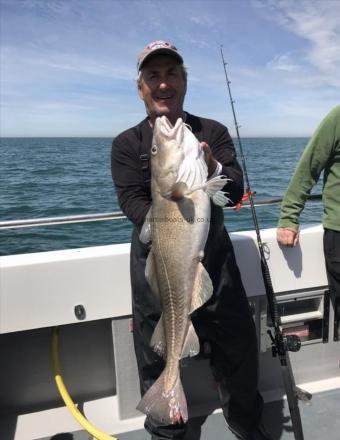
(50, 177)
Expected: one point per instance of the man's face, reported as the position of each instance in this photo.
(162, 87)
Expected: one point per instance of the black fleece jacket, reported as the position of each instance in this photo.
(133, 184)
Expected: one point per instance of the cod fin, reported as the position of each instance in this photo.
(167, 408)
(203, 288)
(145, 233)
(158, 341)
(220, 198)
(191, 345)
(177, 191)
(213, 189)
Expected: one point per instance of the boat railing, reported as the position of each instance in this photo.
(117, 215)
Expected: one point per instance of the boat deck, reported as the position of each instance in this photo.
(320, 420)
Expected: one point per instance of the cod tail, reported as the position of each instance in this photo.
(166, 407)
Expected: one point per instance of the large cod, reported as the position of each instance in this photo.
(177, 226)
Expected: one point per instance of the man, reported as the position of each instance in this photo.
(225, 320)
(321, 154)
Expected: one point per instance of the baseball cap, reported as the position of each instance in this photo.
(158, 47)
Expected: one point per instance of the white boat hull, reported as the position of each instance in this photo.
(40, 291)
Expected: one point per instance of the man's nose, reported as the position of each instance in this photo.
(163, 84)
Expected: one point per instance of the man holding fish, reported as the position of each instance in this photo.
(173, 172)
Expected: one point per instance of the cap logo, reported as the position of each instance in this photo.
(160, 45)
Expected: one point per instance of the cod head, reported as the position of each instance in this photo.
(167, 154)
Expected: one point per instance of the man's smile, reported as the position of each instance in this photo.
(163, 98)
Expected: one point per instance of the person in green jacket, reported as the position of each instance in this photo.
(321, 154)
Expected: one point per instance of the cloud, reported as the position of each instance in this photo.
(318, 23)
(283, 62)
(90, 67)
(207, 21)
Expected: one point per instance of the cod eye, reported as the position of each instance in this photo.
(154, 149)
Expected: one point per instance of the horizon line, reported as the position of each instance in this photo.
(112, 137)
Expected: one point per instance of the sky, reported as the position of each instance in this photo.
(68, 67)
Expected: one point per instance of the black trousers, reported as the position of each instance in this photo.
(225, 321)
(331, 243)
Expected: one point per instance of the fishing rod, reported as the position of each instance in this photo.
(281, 344)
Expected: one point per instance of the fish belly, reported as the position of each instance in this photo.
(178, 244)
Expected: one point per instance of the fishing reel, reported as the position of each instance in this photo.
(282, 343)
(292, 342)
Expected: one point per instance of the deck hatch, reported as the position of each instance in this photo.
(306, 314)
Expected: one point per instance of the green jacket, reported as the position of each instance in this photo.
(321, 153)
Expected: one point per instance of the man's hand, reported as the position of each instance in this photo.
(209, 158)
(287, 236)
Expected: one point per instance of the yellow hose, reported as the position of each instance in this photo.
(96, 433)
